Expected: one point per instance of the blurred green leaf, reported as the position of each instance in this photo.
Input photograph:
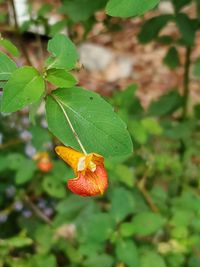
(40, 137)
(152, 126)
(186, 27)
(81, 10)
(126, 252)
(129, 8)
(149, 258)
(196, 68)
(43, 260)
(147, 223)
(166, 104)
(44, 9)
(99, 260)
(16, 242)
(98, 227)
(138, 132)
(54, 187)
(125, 174)
(152, 27)
(7, 67)
(25, 172)
(171, 59)
(127, 229)
(180, 4)
(15, 161)
(122, 203)
(10, 47)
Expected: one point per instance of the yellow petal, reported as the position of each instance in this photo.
(70, 156)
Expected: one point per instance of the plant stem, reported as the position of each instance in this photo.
(37, 211)
(23, 48)
(70, 124)
(186, 82)
(147, 197)
(186, 91)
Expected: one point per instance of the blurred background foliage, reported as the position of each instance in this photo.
(150, 214)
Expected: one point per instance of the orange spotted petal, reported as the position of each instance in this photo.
(90, 183)
(91, 174)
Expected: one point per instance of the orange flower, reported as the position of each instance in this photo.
(44, 162)
(91, 177)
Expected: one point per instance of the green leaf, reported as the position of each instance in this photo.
(138, 132)
(196, 68)
(60, 78)
(98, 127)
(24, 87)
(180, 4)
(57, 27)
(40, 137)
(17, 242)
(81, 10)
(7, 67)
(41, 260)
(10, 47)
(15, 160)
(100, 227)
(186, 27)
(4, 163)
(152, 27)
(99, 260)
(64, 54)
(152, 126)
(147, 223)
(172, 58)
(129, 8)
(166, 104)
(127, 229)
(25, 172)
(122, 204)
(33, 108)
(149, 258)
(44, 10)
(54, 187)
(126, 252)
(125, 174)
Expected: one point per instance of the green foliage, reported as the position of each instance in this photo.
(10, 47)
(152, 27)
(149, 215)
(24, 87)
(129, 8)
(60, 78)
(166, 104)
(147, 223)
(82, 108)
(187, 28)
(180, 4)
(7, 67)
(81, 10)
(64, 55)
(172, 58)
(149, 258)
(196, 69)
(123, 248)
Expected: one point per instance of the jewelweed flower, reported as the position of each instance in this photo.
(91, 175)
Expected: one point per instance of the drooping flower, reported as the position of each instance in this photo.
(44, 162)
(91, 175)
